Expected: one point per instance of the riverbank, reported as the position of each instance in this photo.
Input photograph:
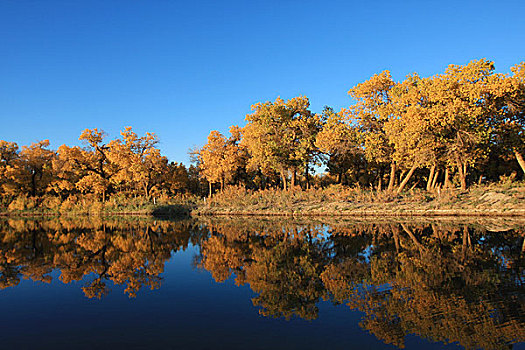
(116, 206)
(501, 200)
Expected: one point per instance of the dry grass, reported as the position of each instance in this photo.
(503, 198)
(499, 198)
(91, 205)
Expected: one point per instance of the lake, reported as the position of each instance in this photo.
(259, 283)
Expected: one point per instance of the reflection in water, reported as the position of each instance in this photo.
(132, 253)
(445, 282)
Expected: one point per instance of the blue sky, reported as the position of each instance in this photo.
(181, 69)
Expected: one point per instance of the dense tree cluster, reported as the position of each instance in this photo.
(130, 165)
(465, 125)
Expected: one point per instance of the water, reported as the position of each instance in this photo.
(129, 283)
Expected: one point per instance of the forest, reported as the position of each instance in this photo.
(452, 130)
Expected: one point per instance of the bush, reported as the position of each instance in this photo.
(22, 203)
(51, 203)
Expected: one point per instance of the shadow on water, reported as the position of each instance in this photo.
(171, 211)
(443, 281)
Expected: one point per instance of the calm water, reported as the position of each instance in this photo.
(236, 284)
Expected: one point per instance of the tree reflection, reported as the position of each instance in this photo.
(452, 283)
(443, 281)
(129, 253)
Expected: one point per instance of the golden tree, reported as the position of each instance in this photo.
(341, 140)
(140, 164)
(411, 129)
(280, 137)
(88, 168)
(510, 90)
(371, 112)
(8, 156)
(31, 173)
(459, 102)
(220, 158)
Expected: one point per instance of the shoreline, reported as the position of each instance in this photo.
(343, 213)
(377, 213)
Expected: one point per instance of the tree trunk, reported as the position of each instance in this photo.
(414, 185)
(419, 246)
(307, 176)
(434, 180)
(446, 183)
(263, 182)
(379, 184)
(395, 231)
(466, 243)
(283, 178)
(33, 184)
(392, 176)
(407, 177)
(519, 158)
(294, 175)
(431, 177)
(210, 187)
(462, 170)
(401, 177)
(146, 191)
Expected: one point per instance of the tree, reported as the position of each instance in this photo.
(8, 155)
(177, 178)
(459, 102)
(341, 140)
(371, 112)
(511, 119)
(280, 137)
(411, 130)
(139, 162)
(31, 172)
(220, 158)
(90, 165)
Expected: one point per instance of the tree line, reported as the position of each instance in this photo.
(130, 165)
(464, 125)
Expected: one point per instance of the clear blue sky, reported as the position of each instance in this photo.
(181, 69)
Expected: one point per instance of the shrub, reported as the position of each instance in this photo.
(51, 203)
(22, 203)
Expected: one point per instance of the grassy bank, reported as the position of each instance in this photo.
(116, 205)
(502, 199)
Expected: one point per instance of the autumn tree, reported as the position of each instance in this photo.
(510, 126)
(341, 140)
(280, 137)
(31, 173)
(140, 164)
(88, 169)
(177, 178)
(411, 129)
(371, 112)
(220, 158)
(459, 101)
(8, 155)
